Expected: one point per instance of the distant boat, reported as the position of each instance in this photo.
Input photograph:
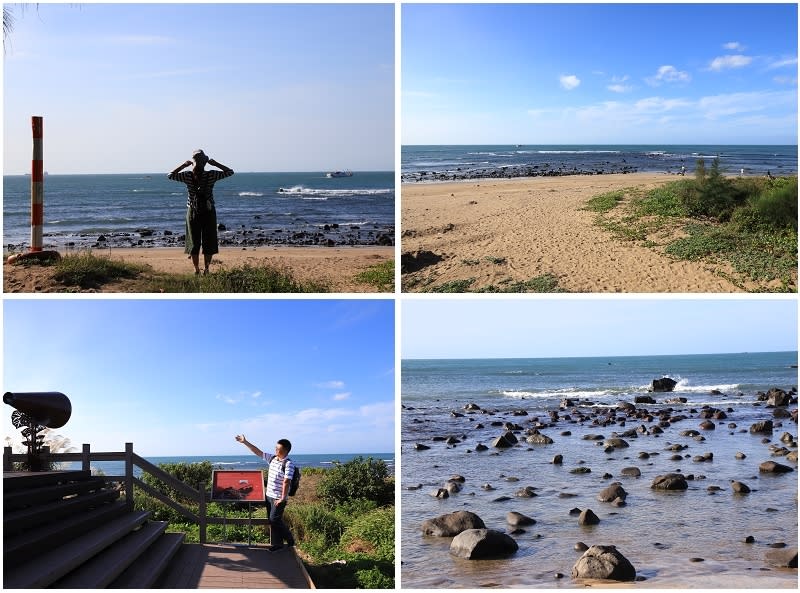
(340, 174)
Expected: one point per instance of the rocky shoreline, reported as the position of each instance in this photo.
(513, 171)
(627, 480)
(327, 235)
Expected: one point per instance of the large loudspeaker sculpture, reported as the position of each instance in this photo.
(34, 413)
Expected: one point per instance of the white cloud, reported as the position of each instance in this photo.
(733, 46)
(730, 61)
(341, 396)
(668, 73)
(782, 63)
(619, 88)
(569, 81)
(330, 385)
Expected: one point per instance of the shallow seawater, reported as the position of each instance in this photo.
(693, 538)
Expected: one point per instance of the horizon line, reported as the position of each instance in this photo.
(603, 144)
(27, 174)
(604, 355)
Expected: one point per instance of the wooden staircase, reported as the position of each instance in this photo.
(68, 529)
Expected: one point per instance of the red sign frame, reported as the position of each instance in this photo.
(237, 486)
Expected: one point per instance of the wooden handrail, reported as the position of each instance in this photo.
(131, 459)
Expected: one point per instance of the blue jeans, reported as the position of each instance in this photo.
(278, 531)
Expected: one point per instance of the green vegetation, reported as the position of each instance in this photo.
(542, 283)
(237, 280)
(88, 271)
(380, 276)
(748, 224)
(342, 519)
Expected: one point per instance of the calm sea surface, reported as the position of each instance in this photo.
(256, 209)
(242, 462)
(661, 533)
(420, 163)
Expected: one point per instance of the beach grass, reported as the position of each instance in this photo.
(244, 279)
(543, 283)
(746, 224)
(87, 271)
(381, 276)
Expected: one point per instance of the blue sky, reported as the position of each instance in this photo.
(261, 87)
(184, 377)
(594, 74)
(554, 328)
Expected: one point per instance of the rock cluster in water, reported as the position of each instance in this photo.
(473, 539)
(512, 171)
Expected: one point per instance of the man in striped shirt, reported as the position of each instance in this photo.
(201, 214)
(281, 471)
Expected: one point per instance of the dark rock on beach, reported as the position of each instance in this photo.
(603, 562)
(518, 519)
(452, 524)
(474, 544)
(765, 426)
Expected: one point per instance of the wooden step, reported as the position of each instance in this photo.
(48, 568)
(25, 498)
(23, 519)
(143, 573)
(13, 481)
(23, 546)
(106, 566)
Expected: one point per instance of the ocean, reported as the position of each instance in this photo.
(255, 209)
(240, 462)
(662, 533)
(449, 163)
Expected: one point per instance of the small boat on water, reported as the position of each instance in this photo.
(340, 174)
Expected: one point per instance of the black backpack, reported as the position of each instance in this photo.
(295, 483)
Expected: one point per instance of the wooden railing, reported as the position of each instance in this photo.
(131, 459)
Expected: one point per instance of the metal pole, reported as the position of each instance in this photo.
(37, 184)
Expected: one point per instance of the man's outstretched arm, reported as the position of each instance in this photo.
(256, 451)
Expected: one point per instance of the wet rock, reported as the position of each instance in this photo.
(504, 441)
(580, 470)
(708, 425)
(611, 492)
(539, 439)
(421, 447)
(440, 493)
(616, 443)
(740, 455)
(527, 492)
(665, 384)
(765, 426)
(631, 471)
(558, 459)
(603, 562)
(672, 481)
(773, 467)
(778, 397)
(739, 487)
(786, 558)
(474, 544)
(518, 519)
(587, 517)
(749, 539)
(481, 447)
(580, 547)
(644, 399)
(452, 524)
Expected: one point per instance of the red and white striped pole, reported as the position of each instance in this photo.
(37, 185)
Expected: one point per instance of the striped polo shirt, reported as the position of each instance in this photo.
(276, 476)
(201, 192)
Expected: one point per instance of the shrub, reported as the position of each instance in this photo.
(89, 271)
(376, 529)
(359, 478)
(777, 207)
(314, 524)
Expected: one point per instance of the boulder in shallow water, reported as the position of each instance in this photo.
(603, 562)
(539, 439)
(670, 482)
(785, 558)
(474, 544)
(665, 384)
(504, 441)
(611, 492)
(739, 487)
(773, 467)
(518, 519)
(452, 524)
(587, 517)
(765, 426)
(778, 397)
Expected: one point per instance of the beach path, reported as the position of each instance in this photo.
(501, 231)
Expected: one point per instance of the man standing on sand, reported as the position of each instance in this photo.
(281, 471)
(201, 215)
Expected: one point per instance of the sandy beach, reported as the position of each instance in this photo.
(498, 231)
(336, 266)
